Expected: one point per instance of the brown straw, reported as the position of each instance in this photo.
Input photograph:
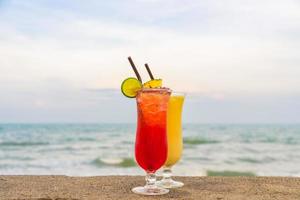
(134, 69)
(149, 71)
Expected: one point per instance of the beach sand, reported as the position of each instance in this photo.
(118, 187)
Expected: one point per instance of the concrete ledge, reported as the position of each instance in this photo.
(118, 187)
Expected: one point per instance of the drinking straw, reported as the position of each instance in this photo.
(134, 69)
(149, 71)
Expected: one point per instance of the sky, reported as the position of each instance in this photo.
(64, 61)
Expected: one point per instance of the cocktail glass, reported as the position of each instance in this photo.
(151, 136)
(174, 133)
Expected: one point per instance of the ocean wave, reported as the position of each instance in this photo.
(87, 139)
(272, 140)
(249, 160)
(253, 160)
(23, 144)
(17, 158)
(127, 142)
(81, 139)
(118, 162)
(229, 173)
(90, 148)
(291, 141)
(197, 141)
(198, 158)
(219, 127)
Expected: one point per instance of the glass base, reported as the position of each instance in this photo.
(155, 190)
(169, 183)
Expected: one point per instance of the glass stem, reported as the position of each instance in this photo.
(150, 180)
(167, 174)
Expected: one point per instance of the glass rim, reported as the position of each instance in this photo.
(154, 89)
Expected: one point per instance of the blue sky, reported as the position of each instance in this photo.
(63, 61)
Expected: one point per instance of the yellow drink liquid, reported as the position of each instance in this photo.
(174, 129)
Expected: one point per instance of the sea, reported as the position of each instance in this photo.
(108, 149)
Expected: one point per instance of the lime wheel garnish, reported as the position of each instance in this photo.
(130, 87)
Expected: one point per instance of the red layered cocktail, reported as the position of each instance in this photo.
(151, 135)
(151, 148)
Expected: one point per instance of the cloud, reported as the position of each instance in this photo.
(83, 53)
(55, 56)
